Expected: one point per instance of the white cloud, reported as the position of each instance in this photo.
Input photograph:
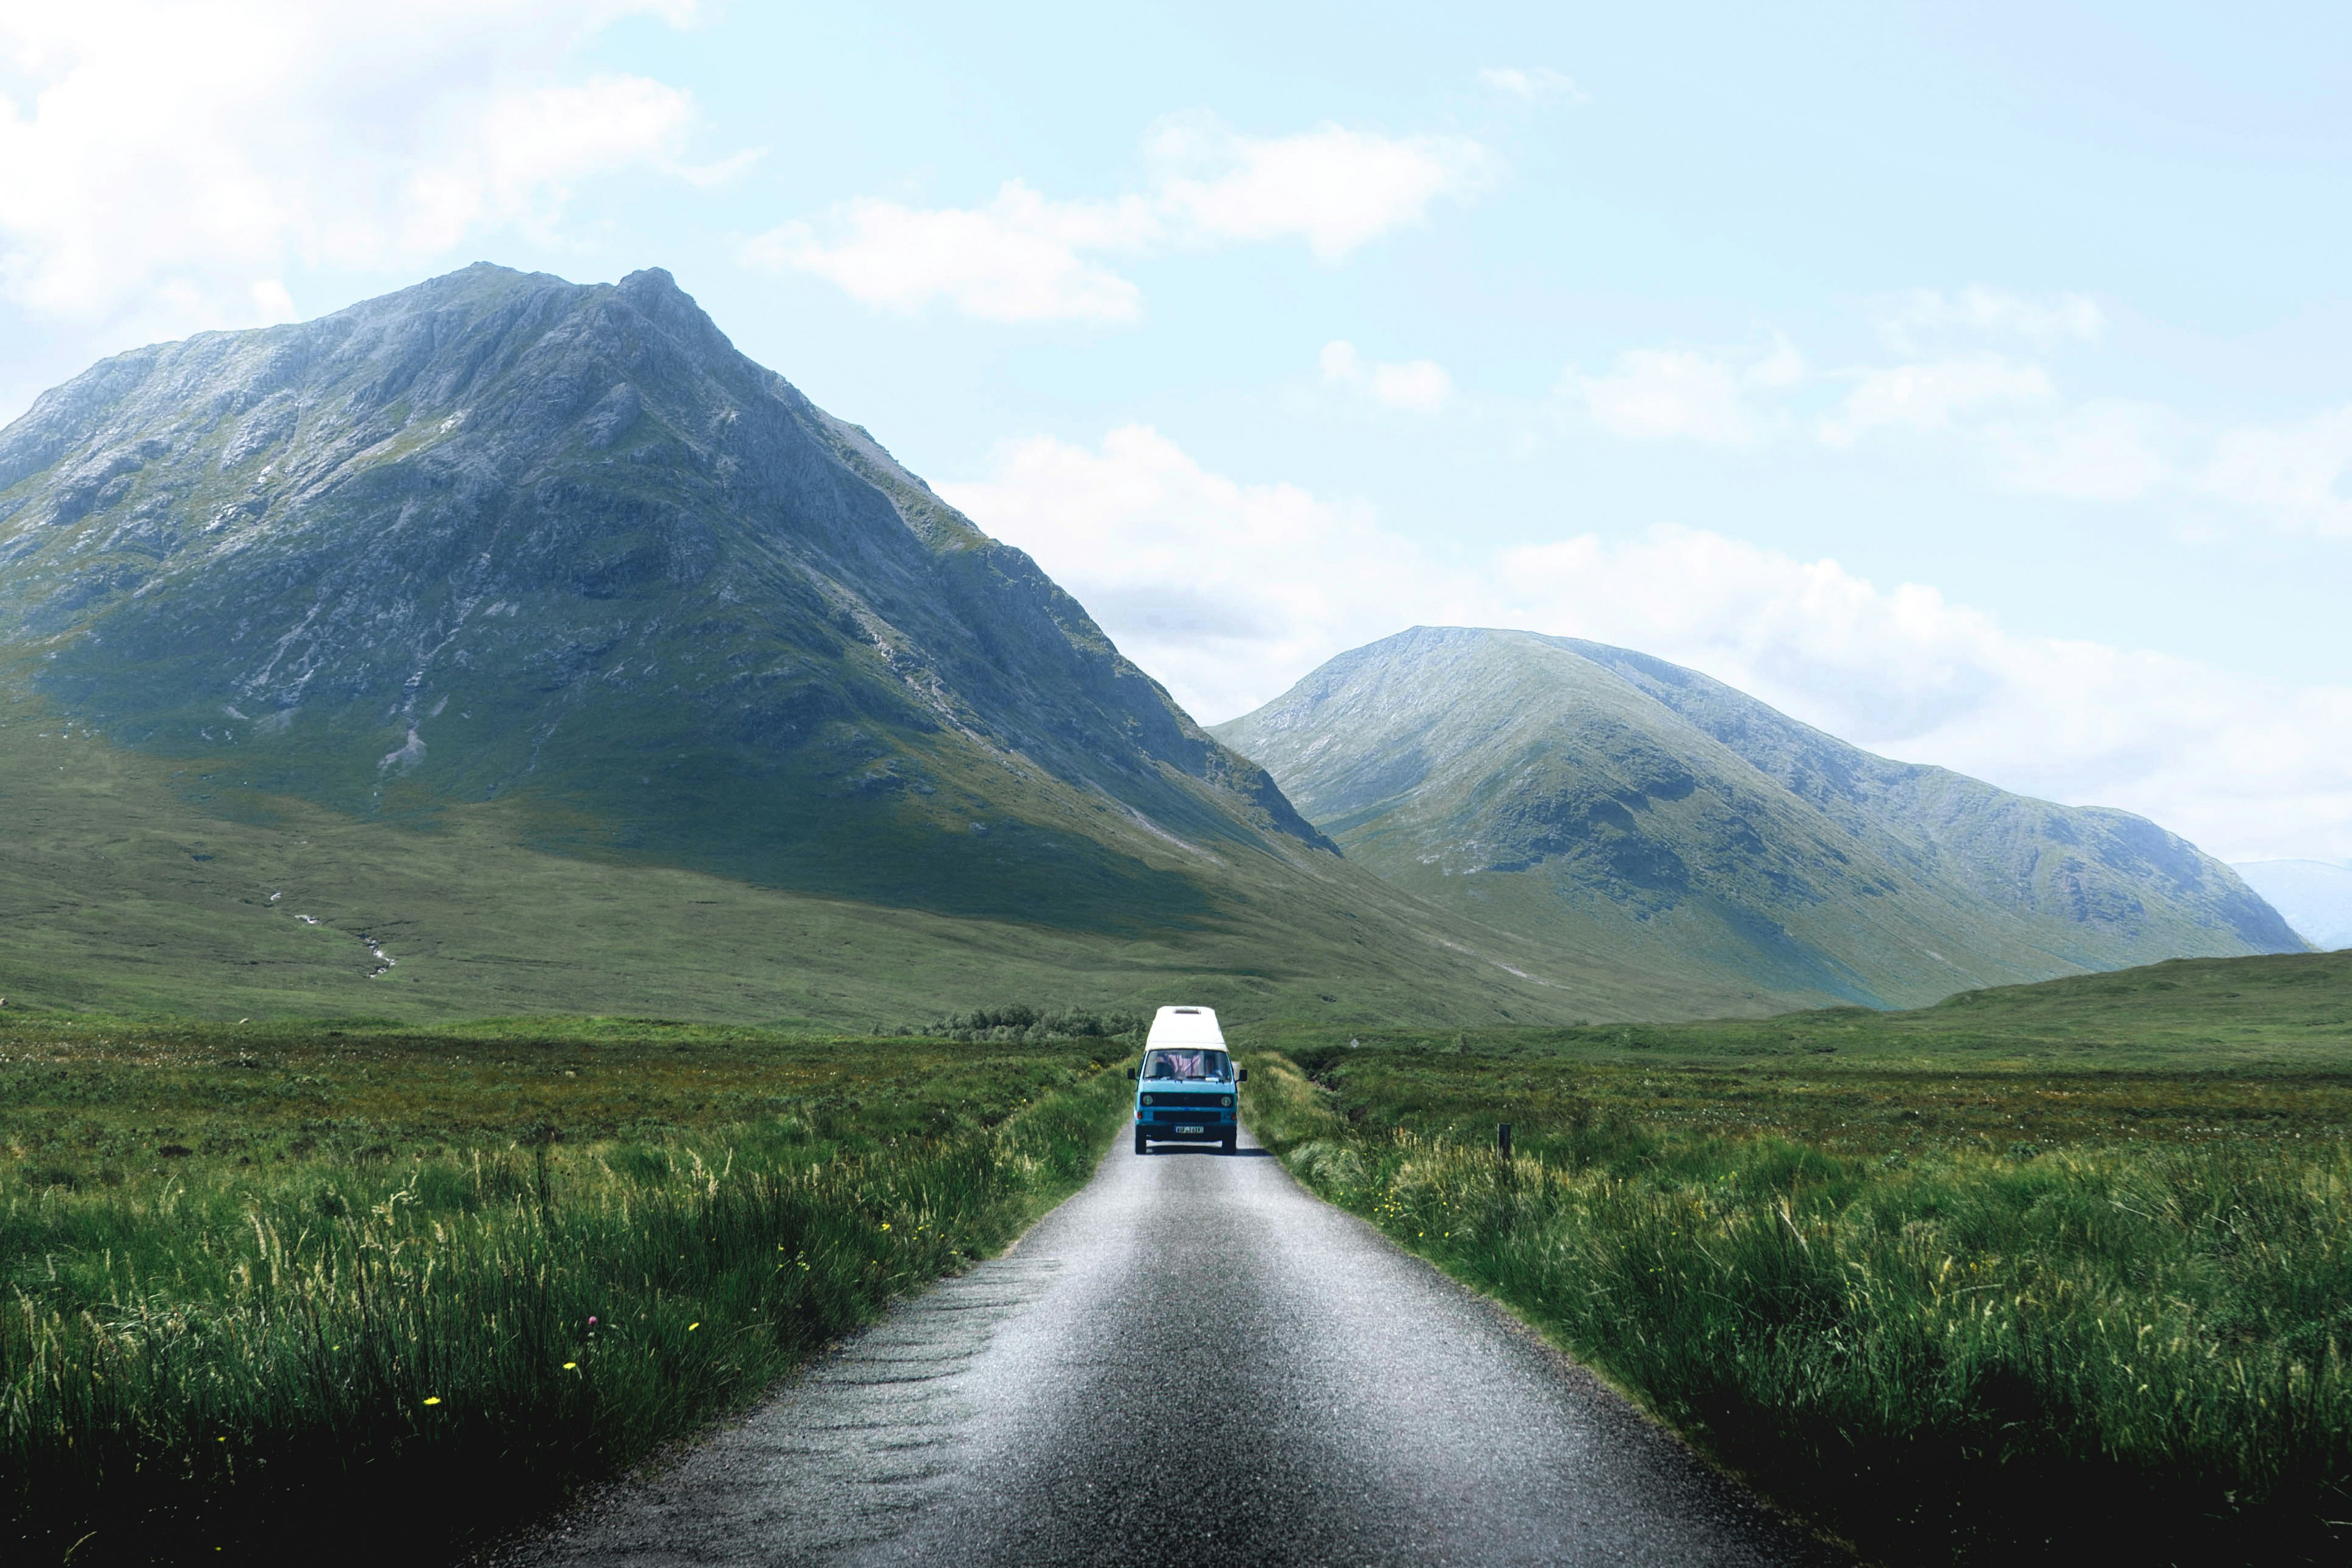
(1655, 394)
(1418, 386)
(1225, 591)
(529, 149)
(2005, 414)
(1018, 259)
(1925, 313)
(272, 303)
(1026, 256)
(1335, 189)
(169, 164)
(1926, 397)
(1229, 591)
(1530, 86)
(2106, 450)
(2036, 440)
(1652, 395)
(2296, 473)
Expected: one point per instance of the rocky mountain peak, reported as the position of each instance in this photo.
(501, 534)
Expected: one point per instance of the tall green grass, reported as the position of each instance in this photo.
(331, 1358)
(2109, 1352)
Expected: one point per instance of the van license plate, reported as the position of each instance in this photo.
(1190, 1130)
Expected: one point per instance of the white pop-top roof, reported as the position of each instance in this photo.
(1186, 1026)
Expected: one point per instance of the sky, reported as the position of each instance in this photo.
(1974, 381)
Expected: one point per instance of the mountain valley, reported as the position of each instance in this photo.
(528, 634)
(508, 644)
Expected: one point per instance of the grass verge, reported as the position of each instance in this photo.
(260, 1287)
(2104, 1341)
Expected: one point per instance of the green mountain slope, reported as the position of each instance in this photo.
(140, 885)
(533, 632)
(502, 533)
(1615, 805)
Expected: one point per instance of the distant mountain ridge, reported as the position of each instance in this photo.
(1610, 803)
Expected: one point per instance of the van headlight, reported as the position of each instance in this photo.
(1227, 1100)
(1147, 1100)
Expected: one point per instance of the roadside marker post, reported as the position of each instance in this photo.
(1503, 1139)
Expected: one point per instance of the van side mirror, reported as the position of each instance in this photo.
(1130, 1075)
(1242, 1076)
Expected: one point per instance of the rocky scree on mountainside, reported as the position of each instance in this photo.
(503, 537)
(1607, 801)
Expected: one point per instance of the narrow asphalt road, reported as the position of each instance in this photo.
(1194, 1362)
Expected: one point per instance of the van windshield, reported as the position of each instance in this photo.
(1187, 1066)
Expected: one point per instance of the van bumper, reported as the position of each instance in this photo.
(1204, 1130)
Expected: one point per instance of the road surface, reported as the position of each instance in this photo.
(1192, 1361)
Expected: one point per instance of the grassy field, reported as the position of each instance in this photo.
(2056, 1273)
(2062, 1271)
(263, 1282)
(2199, 1014)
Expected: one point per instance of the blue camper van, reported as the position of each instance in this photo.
(1185, 1091)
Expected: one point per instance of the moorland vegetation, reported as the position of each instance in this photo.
(259, 1280)
(2058, 1273)
(2034, 1273)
